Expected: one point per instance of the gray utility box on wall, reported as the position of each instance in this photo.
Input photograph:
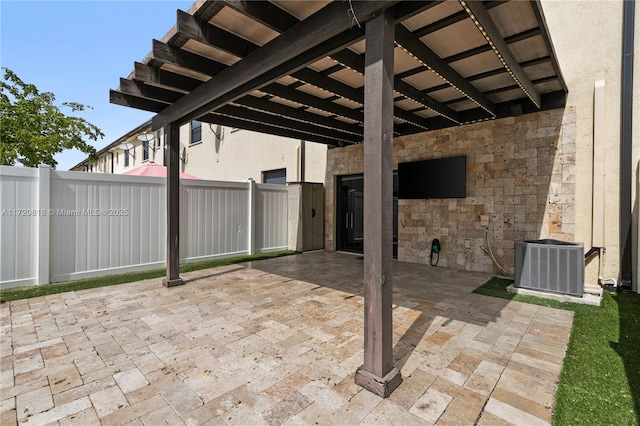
(550, 265)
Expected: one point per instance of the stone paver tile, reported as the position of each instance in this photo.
(7, 404)
(527, 405)
(6, 378)
(82, 418)
(222, 386)
(281, 389)
(83, 390)
(552, 367)
(348, 387)
(488, 419)
(312, 415)
(30, 377)
(540, 354)
(211, 410)
(241, 415)
(538, 373)
(216, 421)
(431, 405)
(64, 380)
(390, 413)
(464, 364)
(512, 414)
(34, 402)
(130, 380)
(454, 376)
(148, 362)
(327, 398)
(38, 345)
(484, 377)
(358, 407)
(25, 365)
(50, 353)
(87, 361)
(134, 411)
(411, 361)
(8, 418)
(163, 416)
(258, 402)
(59, 412)
(412, 388)
(182, 399)
(288, 407)
(108, 401)
(528, 386)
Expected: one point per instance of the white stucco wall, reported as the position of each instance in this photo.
(587, 36)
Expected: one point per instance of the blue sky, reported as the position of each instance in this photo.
(79, 49)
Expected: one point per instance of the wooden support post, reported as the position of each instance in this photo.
(173, 206)
(378, 374)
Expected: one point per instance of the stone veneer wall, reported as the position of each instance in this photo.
(520, 172)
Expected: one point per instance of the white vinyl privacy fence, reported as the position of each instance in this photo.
(58, 226)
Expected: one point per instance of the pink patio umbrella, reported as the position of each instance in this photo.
(155, 170)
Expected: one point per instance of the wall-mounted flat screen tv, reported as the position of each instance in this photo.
(436, 178)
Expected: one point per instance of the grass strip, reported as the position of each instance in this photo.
(600, 379)
(17, 293)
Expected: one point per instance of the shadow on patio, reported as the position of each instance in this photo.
(278, 341)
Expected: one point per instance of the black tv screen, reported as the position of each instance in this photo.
(436, 178)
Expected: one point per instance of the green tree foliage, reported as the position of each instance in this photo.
(33, 129)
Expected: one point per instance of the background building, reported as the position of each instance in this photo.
(217, 153)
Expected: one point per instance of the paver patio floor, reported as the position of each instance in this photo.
(278, 342)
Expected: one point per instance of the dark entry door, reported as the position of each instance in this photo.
(350, 210)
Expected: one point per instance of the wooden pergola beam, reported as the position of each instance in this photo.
(299, 114)
(154, 75)
(163, 53)
(413, 46)
(137, 102)
(343, 90)
(289, 93)
(193, 28)
(266, 13)
(240, 123)
(480, 17)
(233, 110)
(300, 39)
(356, 62)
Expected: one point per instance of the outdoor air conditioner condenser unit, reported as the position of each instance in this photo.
(550, 265)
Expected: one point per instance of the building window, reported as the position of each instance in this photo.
(196, 132)
(276, 177)
(145, 151)
(126, 158)
(118, 157)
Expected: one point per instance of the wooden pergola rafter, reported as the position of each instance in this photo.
(339, 73)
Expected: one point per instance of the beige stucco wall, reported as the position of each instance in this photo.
(243, 154)
(587, 36)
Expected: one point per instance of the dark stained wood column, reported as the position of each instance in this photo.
(378, 374)
(172, 142)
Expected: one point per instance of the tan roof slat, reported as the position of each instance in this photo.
(301, 9)
(243, 26)
(350, 77)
